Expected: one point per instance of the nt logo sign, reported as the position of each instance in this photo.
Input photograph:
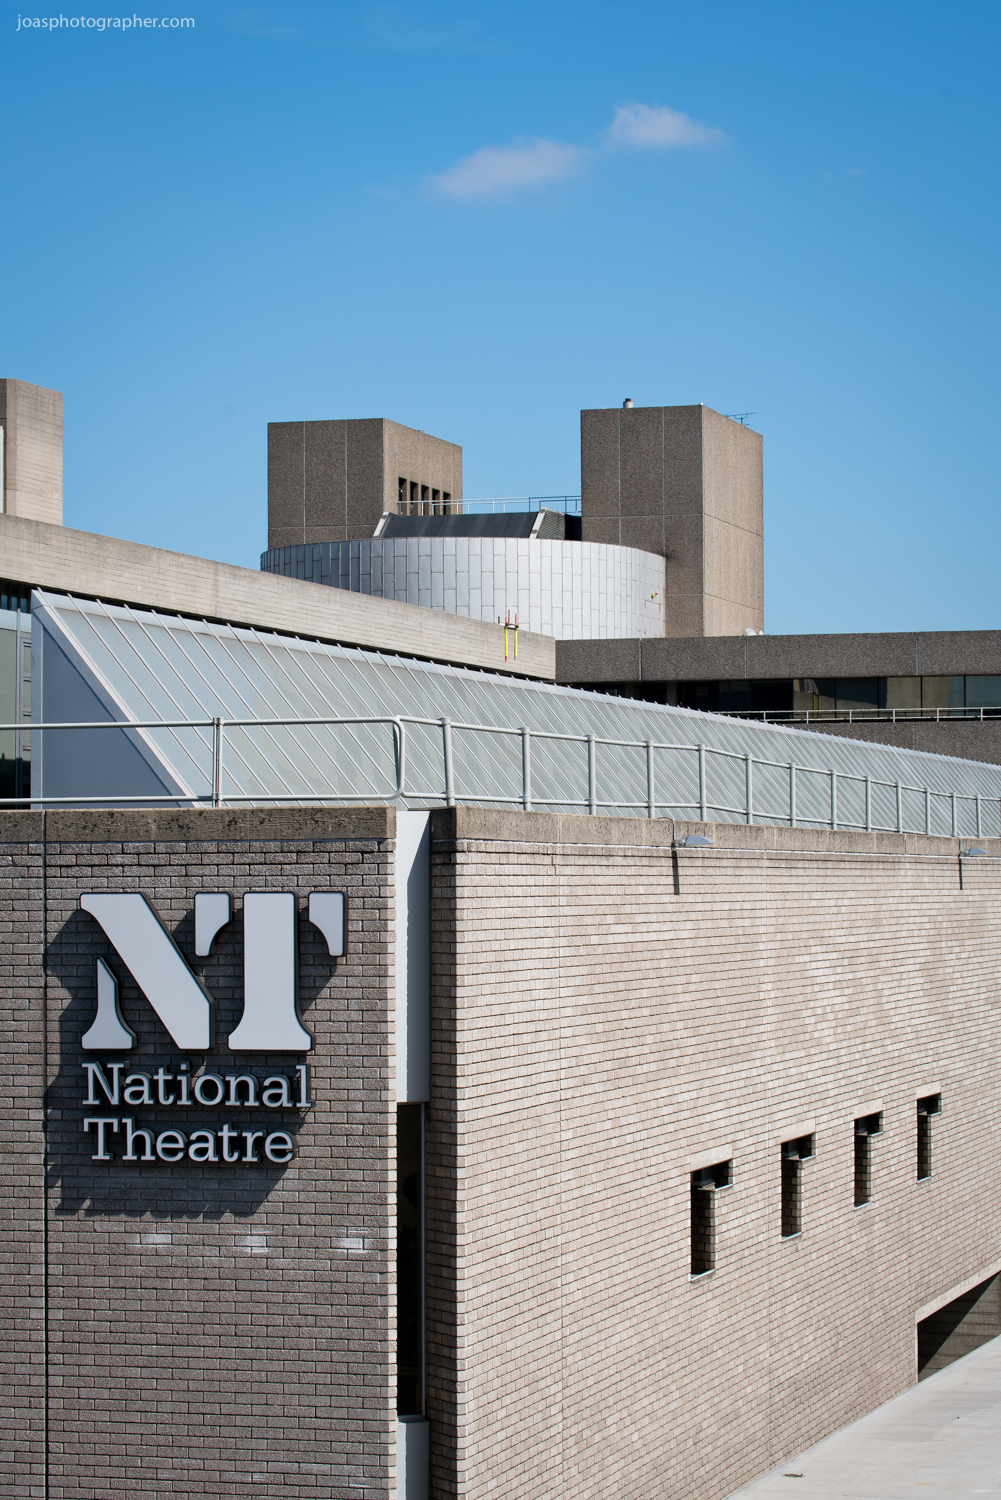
(270, 1022)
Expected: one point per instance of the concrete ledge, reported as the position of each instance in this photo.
(959, 1290)
(193, 825)
(449, 824)
(101, 567)
(698, 659)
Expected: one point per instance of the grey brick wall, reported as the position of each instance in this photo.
(207, 1331)
(607, 1013)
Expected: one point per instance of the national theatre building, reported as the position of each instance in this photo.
(441, 1063)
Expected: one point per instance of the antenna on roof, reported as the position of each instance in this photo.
(739, 416)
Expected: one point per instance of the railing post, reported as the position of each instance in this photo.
(792, 795)
(446, 735)
(900, 814)
(749, 787)
(834, 800)
(400, 755)
(592, 776)
(868, 804)
(954, 814)
(651, 792)
(217, 739)
(702, 783)
(526, 769)
(978, 816)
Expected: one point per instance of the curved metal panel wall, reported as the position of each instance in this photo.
(570, 590)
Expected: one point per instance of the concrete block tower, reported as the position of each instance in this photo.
(684, 482)
(31, 452)
(331, 481)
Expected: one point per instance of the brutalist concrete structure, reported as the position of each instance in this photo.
(936, 690)
(670, 525)
(528, 1182)
(332, 480)
(31, 452)
(684, 482)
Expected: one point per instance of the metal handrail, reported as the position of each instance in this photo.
(218, 725)
(858, 715)
(569, 504)
(592, 803)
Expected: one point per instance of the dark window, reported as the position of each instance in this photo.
(929, 1106)
(900, 692)
(445, 497)
(425, 492)
(410, 1259)
(794, 1154)
(704, 1186)
(943, 692)
(701, 695)
(414, 497)
(15, 595)
(737, 695)
(983, 692)
(865, 1129)
(436, 502)
(858, 693)
(401, 495)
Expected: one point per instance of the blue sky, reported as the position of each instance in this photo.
(477, 219)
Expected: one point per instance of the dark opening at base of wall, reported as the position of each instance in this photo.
(959, 1327)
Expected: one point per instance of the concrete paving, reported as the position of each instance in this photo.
(939, 1440)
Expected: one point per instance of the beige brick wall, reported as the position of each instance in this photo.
(605, 1012)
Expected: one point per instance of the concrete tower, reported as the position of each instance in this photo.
(31, 452)
(685, 482)
(331, 481)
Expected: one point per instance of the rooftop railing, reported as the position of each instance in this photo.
(858, 715)
(701, 781)
(568, 504)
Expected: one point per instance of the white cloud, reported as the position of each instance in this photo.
(495, 171)
(655, 127)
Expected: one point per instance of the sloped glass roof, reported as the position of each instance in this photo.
(133, 666)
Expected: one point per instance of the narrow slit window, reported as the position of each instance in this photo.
(865, 1129)
(794, 1154)
(410, 1259)
(928, 1108)
(425, 497)
(705, 1184)
(414, 497)
(401, 495)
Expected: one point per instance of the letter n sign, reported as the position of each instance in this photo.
(270, 1021)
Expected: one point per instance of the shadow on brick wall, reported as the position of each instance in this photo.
(162, 1189)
